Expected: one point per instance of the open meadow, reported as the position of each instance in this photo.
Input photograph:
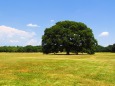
(36, 69)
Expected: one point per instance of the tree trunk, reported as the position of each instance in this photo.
(67, 52)
(76, 53)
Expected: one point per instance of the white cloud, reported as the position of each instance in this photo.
(32, 42)
(11, 32)
(32, 25)
(104, 34)
(52, 20)
(13, 36)
(14, 41)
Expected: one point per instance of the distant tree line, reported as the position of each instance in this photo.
(27, 48)
(109, 48)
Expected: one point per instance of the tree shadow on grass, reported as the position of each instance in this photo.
(67, 55)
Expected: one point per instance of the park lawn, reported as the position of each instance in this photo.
(36, 69)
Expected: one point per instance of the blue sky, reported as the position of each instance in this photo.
(22, 22)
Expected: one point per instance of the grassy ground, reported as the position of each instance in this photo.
(36, 69)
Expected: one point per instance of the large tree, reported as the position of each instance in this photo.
(69, 36)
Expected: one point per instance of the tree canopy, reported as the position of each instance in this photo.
(70, 36)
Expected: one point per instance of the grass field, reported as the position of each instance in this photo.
(36, 69)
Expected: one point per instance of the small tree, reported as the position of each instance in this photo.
(68, 36)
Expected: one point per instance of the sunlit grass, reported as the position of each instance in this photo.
(37, 69)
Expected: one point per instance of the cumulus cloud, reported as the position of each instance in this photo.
(104, 34)
(32, 25)
(13, 36)
(11, 32)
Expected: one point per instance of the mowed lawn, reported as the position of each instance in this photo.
(36, 69)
